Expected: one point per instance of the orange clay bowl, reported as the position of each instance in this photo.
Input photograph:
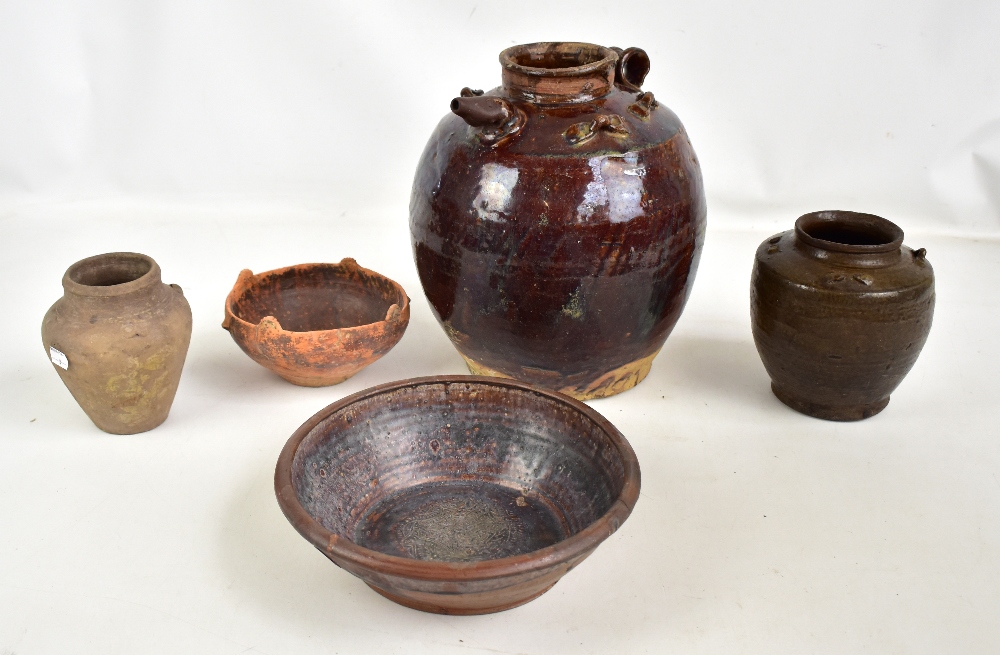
(316, 324)
(457, 494)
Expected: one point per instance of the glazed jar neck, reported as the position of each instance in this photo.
(112, 276)
(556, 73)
(849, 238)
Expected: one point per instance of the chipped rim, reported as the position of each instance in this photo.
(342, 549)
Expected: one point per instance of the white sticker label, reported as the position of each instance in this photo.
(59, 358)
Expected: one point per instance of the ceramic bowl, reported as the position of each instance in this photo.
(316, 324)
(457, 494)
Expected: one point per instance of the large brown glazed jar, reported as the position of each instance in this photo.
(118, 338)
(840, 309)
(557, 220)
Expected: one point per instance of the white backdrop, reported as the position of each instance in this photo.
(889, 107)
(218, 135)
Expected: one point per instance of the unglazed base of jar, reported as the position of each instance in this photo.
(314, 381)
(458, 604)
(829, 412)
(611, 383)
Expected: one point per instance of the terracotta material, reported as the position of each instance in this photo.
(118, 338)
(840, 310)
(316, 324)
(557, 220)
(458, 494)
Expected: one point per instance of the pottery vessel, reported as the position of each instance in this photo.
(316, 324)
(840, 309)
(457, 494)
(557, 220)
(118, 338)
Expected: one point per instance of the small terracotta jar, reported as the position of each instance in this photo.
(840, 309)
(118, 338)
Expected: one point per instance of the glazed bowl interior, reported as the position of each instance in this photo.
(460, 471)
(317, 297)
(110, 270)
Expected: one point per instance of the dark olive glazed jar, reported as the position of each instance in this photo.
(118, 338)
(840, 309)
(557, 220)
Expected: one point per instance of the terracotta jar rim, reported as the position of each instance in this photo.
(848, 232)
(509, 58)
(558, 71)
(111, 274)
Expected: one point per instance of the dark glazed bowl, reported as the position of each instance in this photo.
(316, 324)
(457, 494)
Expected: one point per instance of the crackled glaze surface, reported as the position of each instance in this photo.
(459, 521)
(561, 254)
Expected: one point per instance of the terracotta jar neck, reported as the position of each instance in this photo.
(111, 275)
(554, 73)
(849, 238)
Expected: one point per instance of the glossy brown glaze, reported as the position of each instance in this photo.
(118, 338)
(316, 324)
(840, 310)
(557, 221)
(460, 494)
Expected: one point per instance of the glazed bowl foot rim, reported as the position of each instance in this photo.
(447, 608)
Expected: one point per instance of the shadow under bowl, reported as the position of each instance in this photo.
(457, 494)
(316, 324)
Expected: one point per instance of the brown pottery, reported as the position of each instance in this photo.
(557, 220)
(840, 309)
(118, 338)
(316, 324)
(457, 494)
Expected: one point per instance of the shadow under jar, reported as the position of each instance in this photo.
(557, 220)
(457, 494)
(840, 309)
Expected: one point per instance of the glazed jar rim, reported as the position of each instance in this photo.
(150, 277)
(883, 234)
(507, 59)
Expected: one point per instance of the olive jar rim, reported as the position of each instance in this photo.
(848, 232)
